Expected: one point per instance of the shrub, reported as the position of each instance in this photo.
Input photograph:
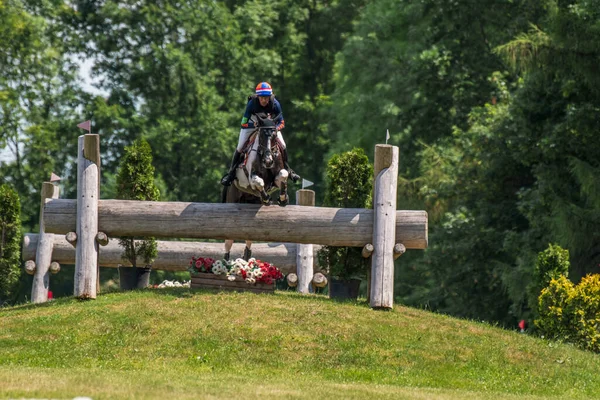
(135, 181)
(10, 238)
(551, 263)
(349, 178)
(571, 313)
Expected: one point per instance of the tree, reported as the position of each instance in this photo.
(38, 98)
(519, 177)
(10, 241)
(418, 68)
(135, 181)
(349, 185)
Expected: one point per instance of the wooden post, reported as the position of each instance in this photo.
(304, 253)
(86, 254)
(384, 226)
(41, 277)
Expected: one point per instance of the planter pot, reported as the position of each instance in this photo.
(134, 278)
(220, 282)
(344, 289)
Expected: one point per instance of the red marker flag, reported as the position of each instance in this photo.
(87, 125)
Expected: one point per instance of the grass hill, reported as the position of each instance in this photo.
(181, 344)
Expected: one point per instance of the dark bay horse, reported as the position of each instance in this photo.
(261, 174)
(263, 170)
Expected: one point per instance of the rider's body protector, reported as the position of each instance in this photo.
(254, 107)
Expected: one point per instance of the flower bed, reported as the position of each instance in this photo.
(252, 275)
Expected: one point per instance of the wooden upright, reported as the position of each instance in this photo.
(304, 254)
(384, 226)
(86, 252)
(43, 259)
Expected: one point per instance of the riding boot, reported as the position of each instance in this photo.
(293, 176)
(230, 176)
(247, 254)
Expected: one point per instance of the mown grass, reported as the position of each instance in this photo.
(204, 344)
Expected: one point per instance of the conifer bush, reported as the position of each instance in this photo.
(135, 181)
(349, 180)
(10, 239)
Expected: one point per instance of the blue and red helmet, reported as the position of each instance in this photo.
(264, 89)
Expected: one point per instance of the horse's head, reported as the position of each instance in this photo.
(267, 131)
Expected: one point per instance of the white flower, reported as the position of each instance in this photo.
(218, 264)
(231, 278)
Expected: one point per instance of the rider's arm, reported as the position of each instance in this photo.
(277, 108)
(246, 121)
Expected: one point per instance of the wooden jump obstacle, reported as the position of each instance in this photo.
(172, 256)
(383, 232)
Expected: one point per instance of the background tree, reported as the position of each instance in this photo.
(39, 95)
(10, 243)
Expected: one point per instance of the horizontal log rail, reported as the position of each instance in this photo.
(172, 256)
(291, 224)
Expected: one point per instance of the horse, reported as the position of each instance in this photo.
(261, 174)
(263, 170)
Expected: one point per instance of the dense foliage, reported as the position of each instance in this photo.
(571, 313)
(135, 181)
(10, 242)
(494, 106)
(349, 178)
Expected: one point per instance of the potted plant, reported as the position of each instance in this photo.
(135, 181)
(349, 179)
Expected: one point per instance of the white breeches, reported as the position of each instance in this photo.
(245, 134)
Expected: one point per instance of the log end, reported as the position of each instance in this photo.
(399, 249)
(292, 279)
(367, 250)
(319, 280)
(102, 238)
(71, 237)
(30, 267)
(54, 267)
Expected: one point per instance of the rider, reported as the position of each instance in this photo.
(262, 102)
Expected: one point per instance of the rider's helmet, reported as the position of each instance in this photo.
(264, 89)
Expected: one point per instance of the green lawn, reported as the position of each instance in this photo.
(202, 344)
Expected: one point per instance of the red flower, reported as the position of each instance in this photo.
(208, 262)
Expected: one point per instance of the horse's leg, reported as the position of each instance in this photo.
(247, 251)
(228, 245)
(281, 182)
(259, 184)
